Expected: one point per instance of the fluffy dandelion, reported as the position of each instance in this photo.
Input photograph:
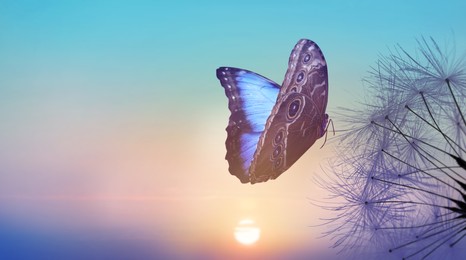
(400, 177)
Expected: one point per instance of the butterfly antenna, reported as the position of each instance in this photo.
(330, 121)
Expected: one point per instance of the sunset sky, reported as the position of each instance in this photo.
(112, 122)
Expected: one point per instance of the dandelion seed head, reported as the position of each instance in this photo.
(398, 178)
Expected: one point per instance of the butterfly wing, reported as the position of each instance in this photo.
(251, 98)
(298, 118)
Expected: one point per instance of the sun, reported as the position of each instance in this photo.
(246, 232)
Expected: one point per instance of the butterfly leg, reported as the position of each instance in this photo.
(324, 129)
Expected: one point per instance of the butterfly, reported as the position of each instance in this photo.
(272, 126)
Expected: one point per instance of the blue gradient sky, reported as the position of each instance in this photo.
(112, 120)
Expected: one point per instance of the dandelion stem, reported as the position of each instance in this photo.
(431, 125)
(416, 147)
(460, 161)
(409, 202)
(414, 188)
(445, 238)
(431, 169)
(435, 122)
(426, 237)
(456, 102)
(427, 144)
(458, 240)
(438, 223)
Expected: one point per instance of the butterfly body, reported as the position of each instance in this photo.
(272, 126)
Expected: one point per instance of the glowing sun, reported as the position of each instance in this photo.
(246, 232)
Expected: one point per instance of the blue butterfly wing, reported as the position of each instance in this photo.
(251, 98)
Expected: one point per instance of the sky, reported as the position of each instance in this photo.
(112, 122)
